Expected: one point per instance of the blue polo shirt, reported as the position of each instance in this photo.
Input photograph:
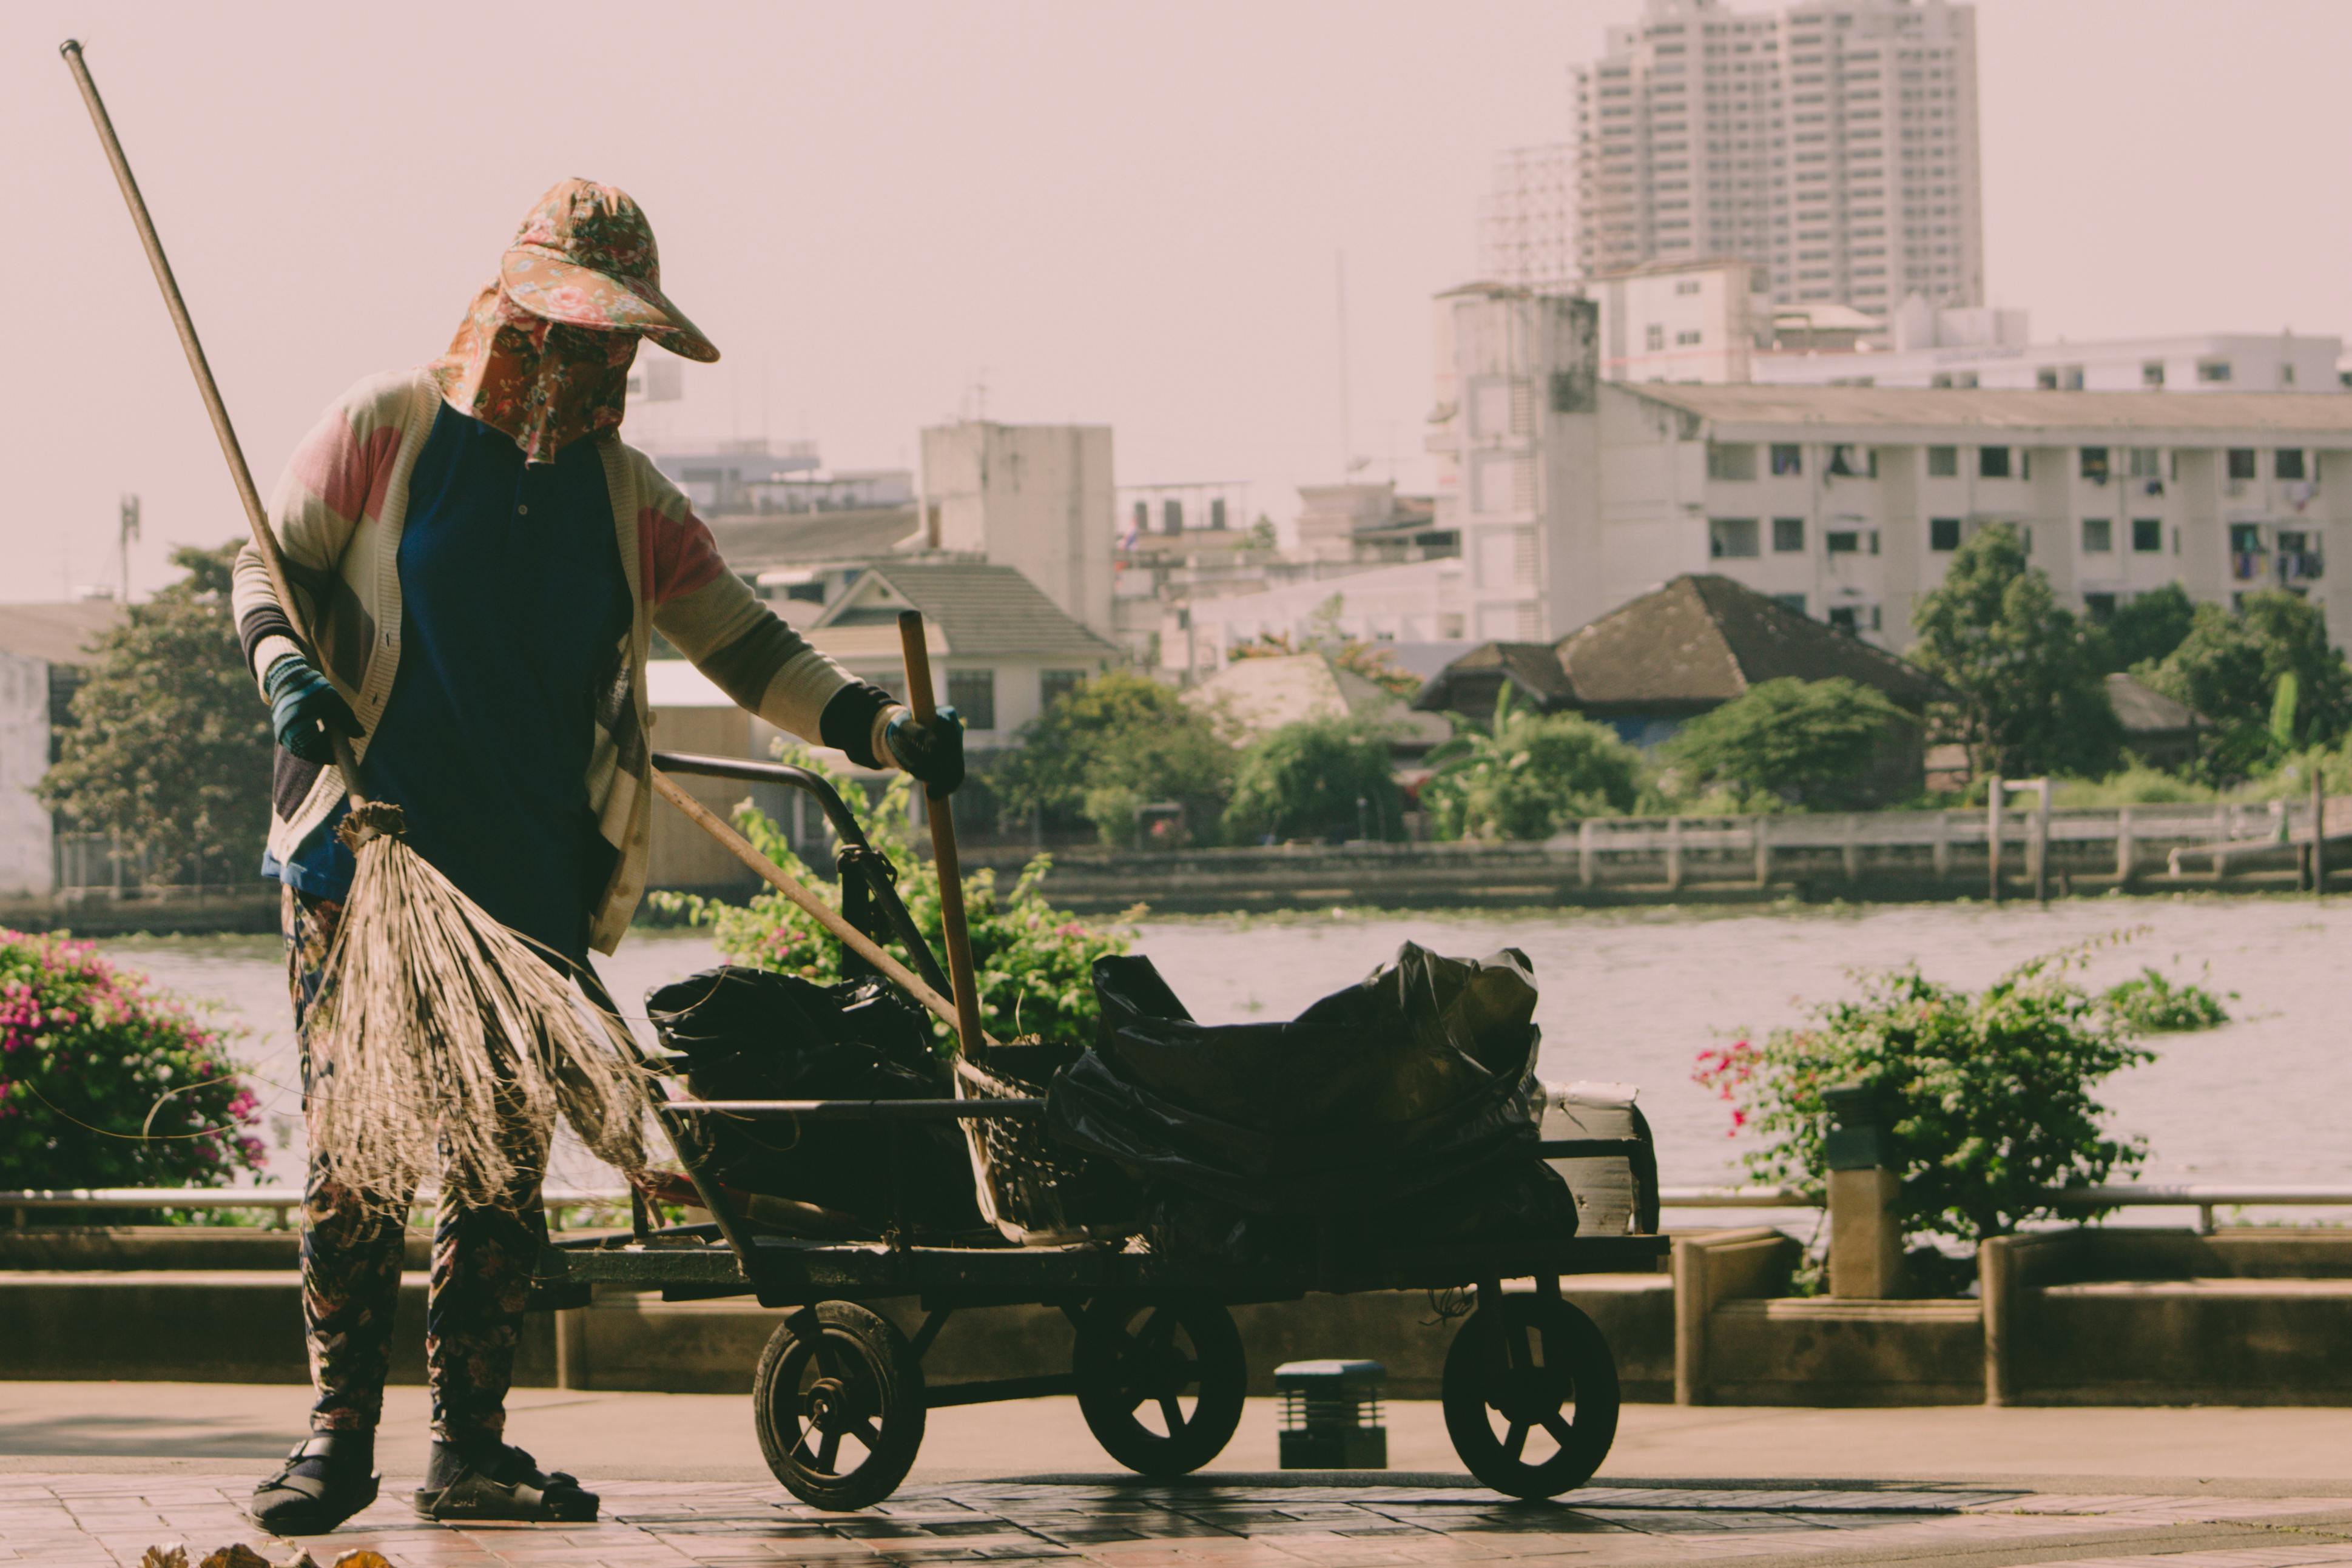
(513, 611)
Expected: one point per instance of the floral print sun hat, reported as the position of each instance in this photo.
(544, 351)
(585, 257)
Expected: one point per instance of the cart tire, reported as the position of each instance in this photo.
(1128, 1356)
(858, 1380)
(1542, 1370)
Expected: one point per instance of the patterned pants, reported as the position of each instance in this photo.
(482, 1260)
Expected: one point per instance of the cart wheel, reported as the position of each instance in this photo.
(1179, 1361)
(832, 1372)
(1540, 1369)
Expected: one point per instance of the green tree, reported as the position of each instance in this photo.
(2147, 627)
(1527, 775)
(2232, 668)
(1117, 742)
(2032, 692)
(1811, 742)
(169, 747)
(1317, 779)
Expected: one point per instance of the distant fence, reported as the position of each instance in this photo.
(1863, 855)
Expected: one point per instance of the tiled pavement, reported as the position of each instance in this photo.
(80, 1520)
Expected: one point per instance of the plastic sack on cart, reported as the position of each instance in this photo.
(1414, 1081)
(753, 1034)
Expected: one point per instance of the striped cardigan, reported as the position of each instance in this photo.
(338, 513)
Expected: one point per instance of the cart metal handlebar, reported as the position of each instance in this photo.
(864, 870)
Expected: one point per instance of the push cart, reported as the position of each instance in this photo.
(1159, 1368)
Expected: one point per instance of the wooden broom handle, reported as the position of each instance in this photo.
(265, 540)
(944, 859)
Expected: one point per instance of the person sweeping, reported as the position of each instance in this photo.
(482, 562)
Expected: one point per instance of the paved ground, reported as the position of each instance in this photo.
(97, 1473)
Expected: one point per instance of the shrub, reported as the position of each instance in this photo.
(1986, 1095)
(2152, 1004)
(1811, 742)
(1033, 964)
(2234, 668)
(1527, 775)
(107, 1082)
(1317, 779)
(2136, 784)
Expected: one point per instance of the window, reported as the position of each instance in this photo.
(1655, 336)
(2095, 464)
(1943, 462)
(2147, 536)
(1731, 462)
(1843, 542)
(1795, 602)
(2245, 538)
(2099, 607)
(1142, 519)
(2046, 378)
(1686, 338)
(1217, 512)
(2098, 535)
(1171, 517)
(1993, 462)
(1788, 534)
(1687, 286)
(973, 692)
(2146, 463)
(2286, 375)
(2151, 373)
(2241, 462)
(1943, 534)
(2288, 463)
(1853, 462)
(2212, 369)
(1731, 538)
(1053, 686)
(1787, 458)
(1846, 618)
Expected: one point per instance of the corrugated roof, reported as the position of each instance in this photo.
(752, 541)
(981, 610)
(2257, 415)
(60, 632)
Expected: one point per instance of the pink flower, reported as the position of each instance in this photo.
(570, 300)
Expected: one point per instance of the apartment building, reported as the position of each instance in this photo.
(1834, 142)
(1513, 431)
(1036, 498)
(1848, 502)
(2189, 362)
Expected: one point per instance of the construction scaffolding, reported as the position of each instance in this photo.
(1527, 223)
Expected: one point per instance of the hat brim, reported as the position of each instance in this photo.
(546, 285)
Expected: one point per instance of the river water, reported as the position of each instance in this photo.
(1631, 996)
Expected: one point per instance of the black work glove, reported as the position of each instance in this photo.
(304, 709)
(931, 752)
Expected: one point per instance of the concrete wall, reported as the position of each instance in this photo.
(28, 868)
(1037, 498)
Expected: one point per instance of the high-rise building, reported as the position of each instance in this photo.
(1527, 227)
(1833, 142)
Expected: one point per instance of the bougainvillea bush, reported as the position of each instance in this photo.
(1986, 1094)
(1033, 963)
(105, 1082)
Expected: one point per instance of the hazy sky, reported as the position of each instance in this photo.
(1115, 213)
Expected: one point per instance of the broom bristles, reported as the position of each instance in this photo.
(440, 1033)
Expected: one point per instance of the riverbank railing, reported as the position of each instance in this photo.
(2206, 1200)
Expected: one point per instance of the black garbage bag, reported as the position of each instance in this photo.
(1402, 1085)
(753, 1034)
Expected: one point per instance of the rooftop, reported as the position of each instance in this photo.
(752, 541)
(1699, 641)
(1263, 694)
(2266, 417)
(977, 610)
(58, 631)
